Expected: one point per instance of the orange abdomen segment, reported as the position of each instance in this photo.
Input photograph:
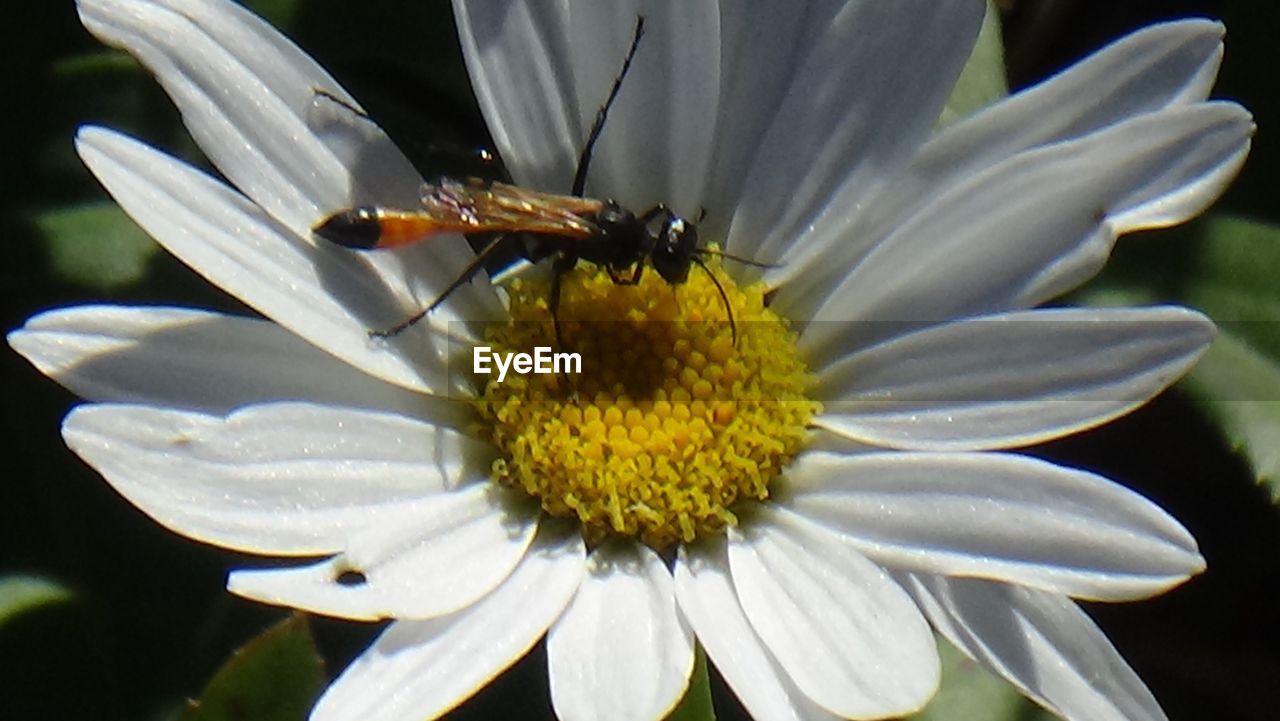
(369, 228)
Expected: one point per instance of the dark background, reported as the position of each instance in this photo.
(150, 621)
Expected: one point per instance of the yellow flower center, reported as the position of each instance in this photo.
(670, 420)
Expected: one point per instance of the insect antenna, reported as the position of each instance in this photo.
(728, 309)
(597, 126)
(736, 258)
(333, 97)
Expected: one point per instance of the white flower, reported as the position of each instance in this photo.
(807, 135)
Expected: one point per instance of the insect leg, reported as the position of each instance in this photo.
(563, 264)
(636, 274)
(465, 276)
(637, 271)
(654, 212)
(584, 160)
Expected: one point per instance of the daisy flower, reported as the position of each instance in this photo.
(809, 495)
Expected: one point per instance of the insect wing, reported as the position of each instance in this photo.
(468, 207)
(504, 208)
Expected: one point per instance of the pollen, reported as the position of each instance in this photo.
(677, 413)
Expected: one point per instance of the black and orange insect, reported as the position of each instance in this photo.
(534, 225)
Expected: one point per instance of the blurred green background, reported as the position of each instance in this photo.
(147, 622)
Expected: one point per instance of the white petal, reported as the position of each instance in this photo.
(287, 478)
(324, 294)
(201, 361)
(762, 43)
(421, 669)
(518, 57)
(248, 96)
(1010, 379)
(845, 632)
(997, 516)
(708, 600)
(418, 559)
(859, 106)
(656, 146)
(621, 650)
(1036, 225)
(1042, 643)
(541, 73)
(1161, 66)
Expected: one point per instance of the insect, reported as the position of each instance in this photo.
(567, 228)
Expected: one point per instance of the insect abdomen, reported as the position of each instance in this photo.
(369, 227)
(355, 228)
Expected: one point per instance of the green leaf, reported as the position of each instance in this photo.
(19, 594)
(280, 13)
(983, 80)
(96, 245)
(1239, 388)
(970, 693)
(1229, 268)
(1235, 277)
(696, 705)
(1224, 265)
(275, 677)
(95, 64)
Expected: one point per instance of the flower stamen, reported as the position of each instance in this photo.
(670, 422)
